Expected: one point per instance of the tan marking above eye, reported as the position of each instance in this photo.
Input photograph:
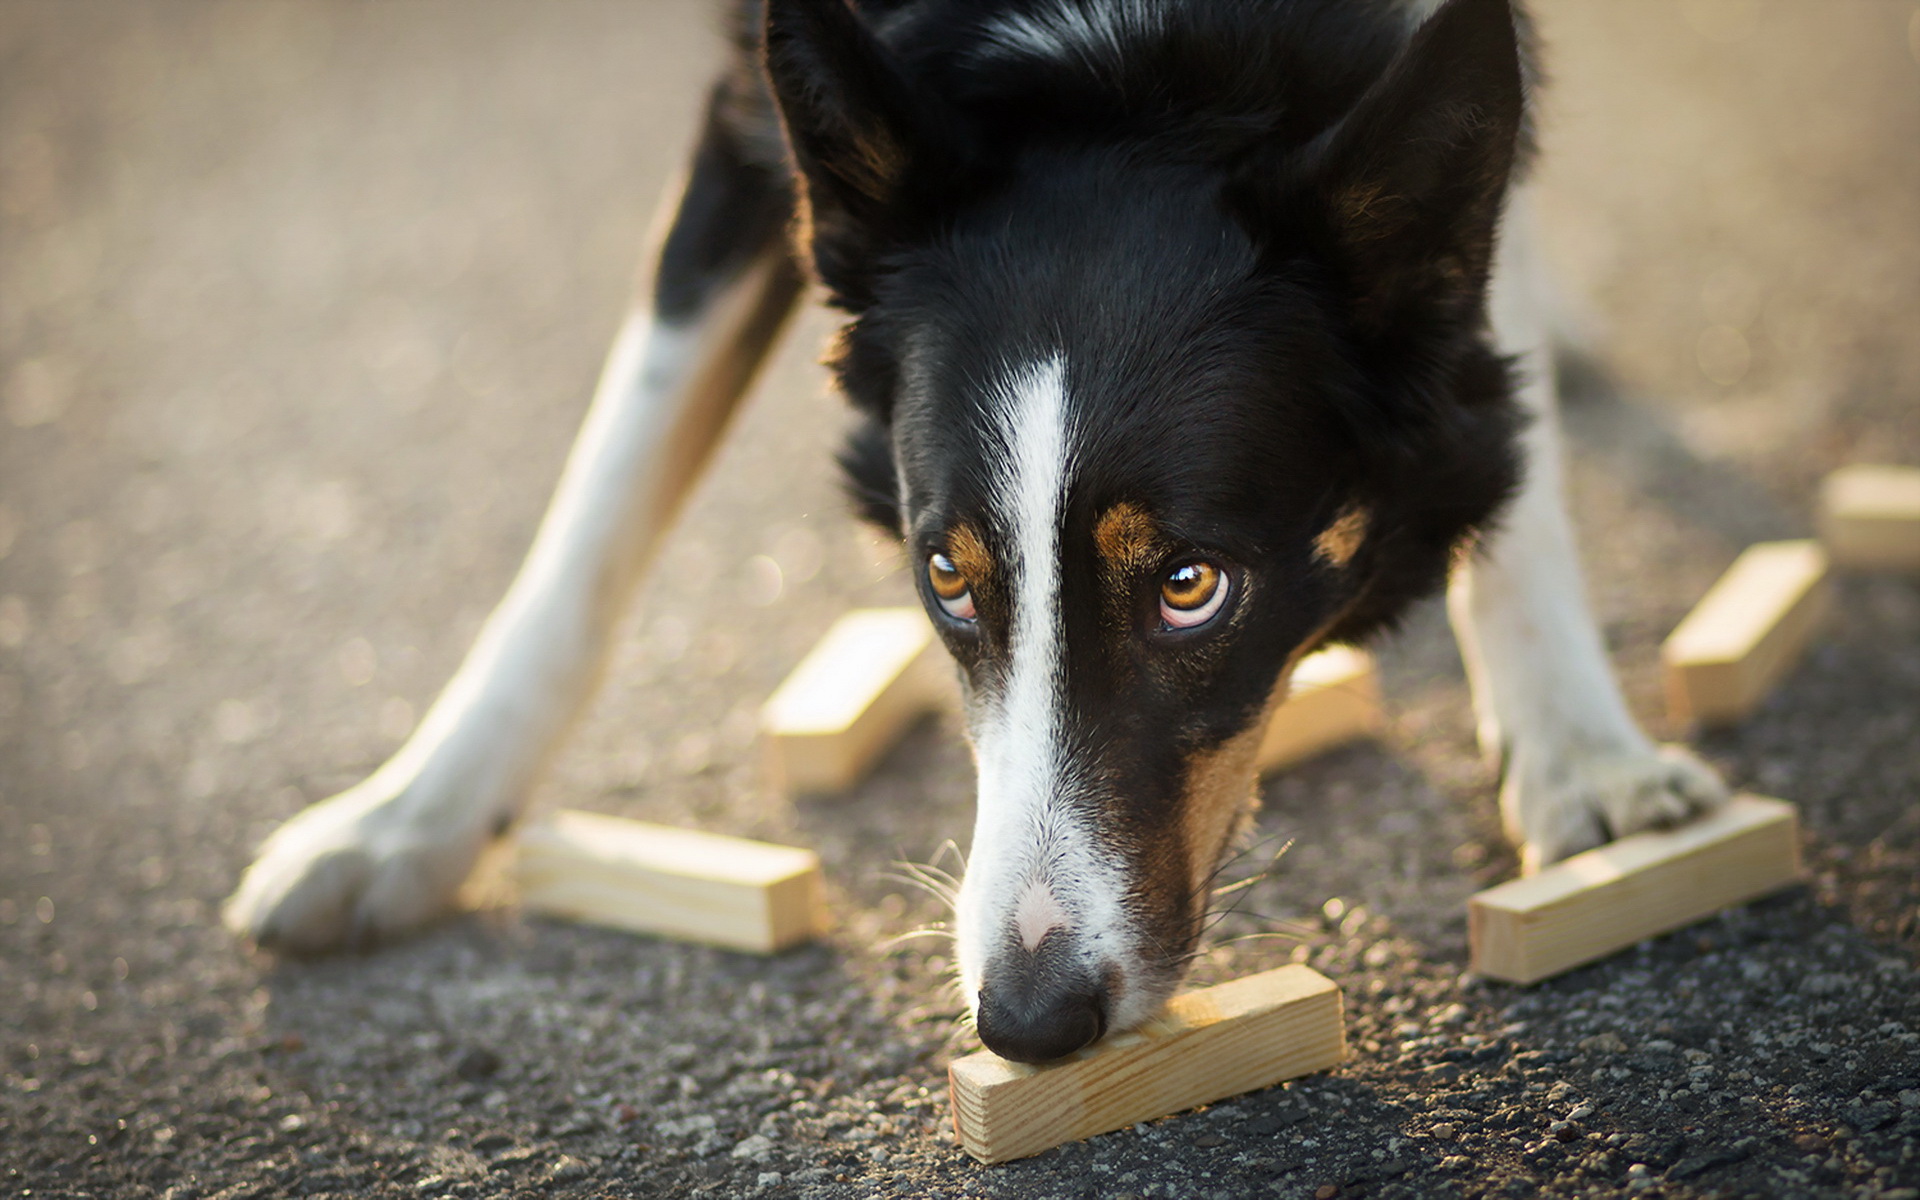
(1127, 540)
(969, 554)
(1340, 541)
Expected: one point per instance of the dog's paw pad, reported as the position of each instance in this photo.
(1585, 800)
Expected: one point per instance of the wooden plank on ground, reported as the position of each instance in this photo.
(678, 883)
(1746, 632)
(867, 679)
(1593, 904)
(1334, 698)
(1870, 517)
(1209, 1044)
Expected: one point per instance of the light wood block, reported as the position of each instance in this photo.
(1746, 632)
(867, 679)
(1334, 699)
(1593, 904)
(677, 883)
(1870, 517)
(1208, 1045)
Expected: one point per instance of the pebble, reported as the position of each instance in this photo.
(567, 1168)
(476, 1063)
(768, 1179)
(1325, 1191)
(753, 1147)
(1445, 1131)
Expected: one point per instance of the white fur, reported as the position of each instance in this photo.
(1036, 914)
(1036, 864)
(1577, 765)
(391, 852)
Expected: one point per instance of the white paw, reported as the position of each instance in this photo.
(1559, 801)
(367, 864)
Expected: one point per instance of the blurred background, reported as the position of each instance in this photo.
(300, 305)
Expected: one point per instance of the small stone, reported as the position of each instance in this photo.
(768, 1179)
(1446, 1131)
(1910, 1098)
(878, 1155)
(1451, 1015)
(753, 1147)
(1580, 1113)
(1325, 1191)
(567, 1168)
(476, 1063)
(1208, 1141)
(1455, 1162)
(1604, 1043)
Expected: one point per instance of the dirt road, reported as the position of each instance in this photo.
(299, 305)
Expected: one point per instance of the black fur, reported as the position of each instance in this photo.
(1361, 177)
(1259, 238)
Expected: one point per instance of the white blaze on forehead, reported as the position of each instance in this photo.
(1036, 863)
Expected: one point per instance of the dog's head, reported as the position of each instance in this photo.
(1167, 379)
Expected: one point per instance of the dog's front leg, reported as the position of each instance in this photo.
(1577, 769)
(391, 853)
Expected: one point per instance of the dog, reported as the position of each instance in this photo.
(1183, 337)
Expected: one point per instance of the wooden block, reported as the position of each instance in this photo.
(1746, 632)
(1208, 1045)
(1870, 517)
(870, 676)
(677, 883)
(1588, 906)
(1335, 699)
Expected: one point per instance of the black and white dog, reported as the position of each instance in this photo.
(1183, 340)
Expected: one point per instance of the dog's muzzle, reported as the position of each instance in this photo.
(1041, 1004)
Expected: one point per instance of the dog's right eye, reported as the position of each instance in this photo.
(950, 588)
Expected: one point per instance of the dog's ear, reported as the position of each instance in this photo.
(1407, 187)
(874, 151)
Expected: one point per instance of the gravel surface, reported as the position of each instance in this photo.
(300, 304)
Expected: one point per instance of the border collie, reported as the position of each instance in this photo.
(1184, 337)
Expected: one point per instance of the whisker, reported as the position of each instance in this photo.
(925, 931)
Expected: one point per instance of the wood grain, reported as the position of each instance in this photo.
(678, 883)
(1593, 904)
(1209, 1044)
(1746, 632)
(863, 683)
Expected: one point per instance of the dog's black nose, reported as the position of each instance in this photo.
(1034, 1007)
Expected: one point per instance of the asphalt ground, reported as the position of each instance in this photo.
(299, 306)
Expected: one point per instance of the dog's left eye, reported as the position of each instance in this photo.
(1191, 594)
(950, 587)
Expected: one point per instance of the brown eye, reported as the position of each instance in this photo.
(1191, 594)
(950, 588)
